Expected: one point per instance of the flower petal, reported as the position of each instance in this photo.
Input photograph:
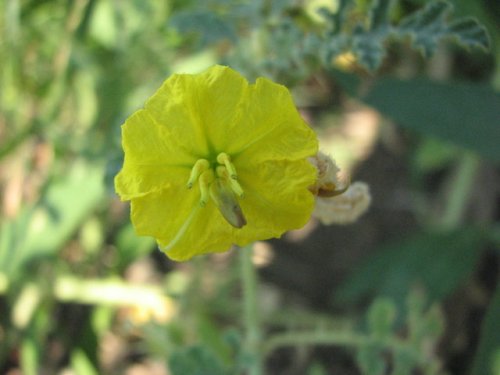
(270, 128)
(276, 199)
(153, 159)
(200, 109)
(162, 213)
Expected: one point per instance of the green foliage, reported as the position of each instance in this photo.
(428, 27)
(487, 359)
(414, 350)
(439, 261)
(196, 360)
(463, 113)
(72, 71)
(303, 46)
(41, 230)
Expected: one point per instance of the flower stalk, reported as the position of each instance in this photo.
(253, 334)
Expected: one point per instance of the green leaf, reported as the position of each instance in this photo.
(379, 14)
(439, 261)
(368, 46)
(196, 360)
(41, 231)
(463, 113)
(370, 360)
(487, 356)
(381, 318)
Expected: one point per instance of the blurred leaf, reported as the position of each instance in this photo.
(103, 25)
(81, 364)
(131, 246)
(439, 261)
(210, 335)
(426, 27)
(41, 231)
(370, 360)
(208, 26)
(381, 317)
(196, 360)
(466, 114)
(433, 154)
(488, 351)
(30, 356)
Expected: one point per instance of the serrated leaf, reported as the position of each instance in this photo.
(428, 26)
(368, 47)
(469, 33)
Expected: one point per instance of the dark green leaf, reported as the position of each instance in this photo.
(439, 261)
(465, 114)
(489, 344)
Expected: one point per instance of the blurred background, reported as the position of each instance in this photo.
(417, 119)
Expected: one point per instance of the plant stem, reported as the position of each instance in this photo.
(462, 184)
(250, 311)
(335, 338)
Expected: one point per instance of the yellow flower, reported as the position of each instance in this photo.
(212, 161)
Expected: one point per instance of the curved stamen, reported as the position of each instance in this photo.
(225, 160)
(223, 173)
(204, 181)
(199, 167)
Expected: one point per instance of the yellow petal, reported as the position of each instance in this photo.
(200, 109)
(161, 214)
(277, 199)
(270, 128)
(153, 159)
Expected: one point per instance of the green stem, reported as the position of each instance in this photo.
(250, 312)
(463, 182)
(335, 338)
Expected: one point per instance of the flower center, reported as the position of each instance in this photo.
(219, 181)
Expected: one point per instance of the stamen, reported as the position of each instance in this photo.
(204, 181)
(199, 167)
(223, 173)
(225, 160)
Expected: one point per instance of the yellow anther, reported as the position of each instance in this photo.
(199, 167)
(206, 178)
(225, 160)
